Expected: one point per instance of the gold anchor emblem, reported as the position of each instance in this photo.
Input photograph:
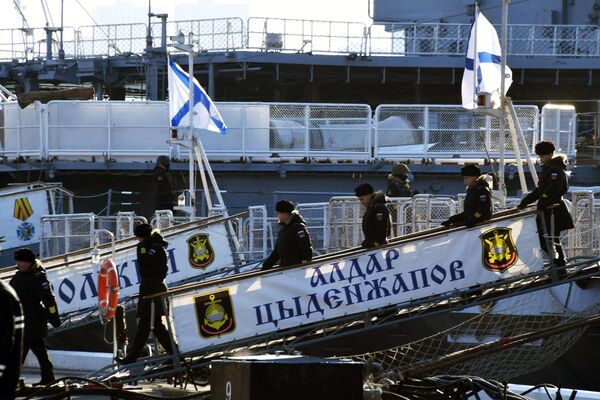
(200, 251)
(499, 251)
(215, 315)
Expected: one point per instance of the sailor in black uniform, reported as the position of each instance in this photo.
(552, 185)
(376, 223)
(477, 206)
(39, 306)
(11, 341)
(152, 261)
(293, 244)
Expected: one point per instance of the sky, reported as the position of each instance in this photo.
(130, 11)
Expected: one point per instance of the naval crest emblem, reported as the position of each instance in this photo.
(499, 252)
(214, 312)
(200, 252)
(25, 231)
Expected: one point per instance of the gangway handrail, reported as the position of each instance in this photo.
(176, 229)
(426, 234)
(421, 234)
(43, 186)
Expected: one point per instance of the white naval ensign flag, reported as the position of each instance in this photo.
(207, 116)
(486, 67)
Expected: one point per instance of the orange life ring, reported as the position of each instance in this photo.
(108, 289)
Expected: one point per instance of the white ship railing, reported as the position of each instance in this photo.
(129, 131)
(106, 129)
(64, 233)
(110, 40)
(261, 131)
(302, 36)
(451, 40)
(557, 122)
(343, 229)
(333, 226)
(30, 43)
(437, 131)
(299, 35)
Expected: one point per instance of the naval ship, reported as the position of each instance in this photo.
(327, 105)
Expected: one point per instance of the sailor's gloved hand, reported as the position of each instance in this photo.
(265, 267)
(446, 223)
(53, 317)
(521, 206)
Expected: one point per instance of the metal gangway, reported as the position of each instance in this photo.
(334, 225)
(73, 275)
(353, 292)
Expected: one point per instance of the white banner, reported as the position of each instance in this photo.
(191, 252)
(392, 275)
(20, 215)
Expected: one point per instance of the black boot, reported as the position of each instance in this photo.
(581, 284)
(47, 377)
(128, 359)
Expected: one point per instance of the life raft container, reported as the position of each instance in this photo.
(108, 289)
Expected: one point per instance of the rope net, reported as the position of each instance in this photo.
(495, 325)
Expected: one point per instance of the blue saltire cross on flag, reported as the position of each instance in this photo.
(489, 55)
(206, 117)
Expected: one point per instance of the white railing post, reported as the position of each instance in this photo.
(426, 130)
(108, 130)
(368, 150)
(250, 233)
(325, 227)
(488, 134)
(264, 232)
(243, 128)
(307, 130)
(19, 123)
(554, 41)
(375, 130)
(41, 111)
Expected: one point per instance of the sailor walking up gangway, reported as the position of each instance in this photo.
(421, 274)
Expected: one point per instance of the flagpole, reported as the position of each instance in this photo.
(191, 166)
(475, 55)
(501, 162)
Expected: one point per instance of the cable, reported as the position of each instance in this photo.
(43, 388)
(91, 196)
(541, 385)
(111, 43)
(25, 24)
(47, 14)
(395, 395)
(103, 390)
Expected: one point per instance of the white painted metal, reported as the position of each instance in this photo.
(559, 124)
(139, 131)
